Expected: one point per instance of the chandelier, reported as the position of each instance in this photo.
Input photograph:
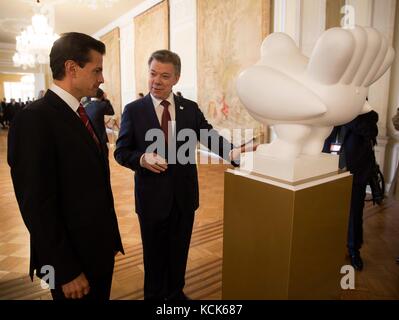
(34, 43)
(93, 4)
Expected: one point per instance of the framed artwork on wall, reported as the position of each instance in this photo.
(151, 33)
(230, 33)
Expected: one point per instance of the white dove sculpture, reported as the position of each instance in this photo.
(303, 98)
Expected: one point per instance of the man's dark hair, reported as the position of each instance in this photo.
(166, 56)
(72, 46)
(99, 93)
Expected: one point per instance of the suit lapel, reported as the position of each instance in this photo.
(67, 114)
(179, 113)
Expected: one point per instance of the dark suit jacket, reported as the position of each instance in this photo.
(154, 193)
(358, 140)
(96, 110)
(62, 185)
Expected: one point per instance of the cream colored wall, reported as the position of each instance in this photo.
(287, 15)
(183, 41)
(311, 28)
(392, 154)
(380, 14)
(7, 78)
(394, 92)
(126, 25)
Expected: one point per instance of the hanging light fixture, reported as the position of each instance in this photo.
(34, 43)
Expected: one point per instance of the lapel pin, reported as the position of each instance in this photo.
(181, 108)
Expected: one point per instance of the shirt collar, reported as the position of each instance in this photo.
(157, 102)
(69, 99)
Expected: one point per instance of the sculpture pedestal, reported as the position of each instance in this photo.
(301, 168)
(284, 241)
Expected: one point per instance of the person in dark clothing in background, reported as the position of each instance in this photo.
(3, 107)
(357, 139)
(96, 109)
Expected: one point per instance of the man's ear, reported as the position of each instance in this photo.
(177, 78)
(70, 68)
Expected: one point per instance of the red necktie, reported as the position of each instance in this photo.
(86, 122)
(165, 119)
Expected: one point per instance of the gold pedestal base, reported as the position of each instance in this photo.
(284, 241)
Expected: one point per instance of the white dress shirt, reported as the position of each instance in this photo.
(69, 99)
(159, 108)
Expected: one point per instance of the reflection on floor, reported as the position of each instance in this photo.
(379, 279)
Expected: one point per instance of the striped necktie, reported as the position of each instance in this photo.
(85, 119)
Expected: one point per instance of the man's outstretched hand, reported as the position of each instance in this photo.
(236, 152)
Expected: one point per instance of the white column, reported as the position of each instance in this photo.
(392, 154)
(383, 19)
(313, 24)
(380, 15)
(183, 41)
(128, 81)
(40, 83)
(363, 11)
(287, 18)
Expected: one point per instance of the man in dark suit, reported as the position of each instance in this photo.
(96, 109)
(356, 139)
(166, 191)
(63, 191)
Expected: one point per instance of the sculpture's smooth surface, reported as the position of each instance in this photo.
(303, 98)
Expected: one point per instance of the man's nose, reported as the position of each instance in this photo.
(157, 79)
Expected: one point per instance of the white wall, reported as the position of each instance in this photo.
(394, 92)
(379, 14)
(128, 81)
(40, 83)
(313, 21)
(183, 41)
(126, 25)
(287, 18)
(392, 157)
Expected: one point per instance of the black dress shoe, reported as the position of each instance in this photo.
(356, 261)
